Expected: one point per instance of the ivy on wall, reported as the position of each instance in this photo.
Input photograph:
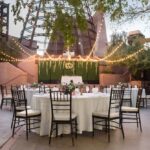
(52, 71)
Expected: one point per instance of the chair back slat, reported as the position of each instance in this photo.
(19, 99)
(115, 103)
(61, 102)
(139, 97)
(127, 93)
(22, 97)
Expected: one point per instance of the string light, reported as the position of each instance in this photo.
(4, 54)
(78, 58)
(20, 47)
(60, 58)
(94, 59)
(126, 57)
(113, 52)
(12, 59)
(97, 38)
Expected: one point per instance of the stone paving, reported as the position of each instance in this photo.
(134, 139)
(5, 121)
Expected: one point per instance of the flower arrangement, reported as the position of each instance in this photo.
(121, 85)
(70, 87)
(34, 85)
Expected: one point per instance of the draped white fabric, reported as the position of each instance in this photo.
(76, 79)
(30, 93)
(83, 105)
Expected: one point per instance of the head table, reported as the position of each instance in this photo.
(83, 105)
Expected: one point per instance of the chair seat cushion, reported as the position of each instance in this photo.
(129, 109)
(64, 116)
(22, 107)
(30, 113)
(105, 115)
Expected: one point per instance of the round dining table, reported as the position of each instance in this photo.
(83, 105)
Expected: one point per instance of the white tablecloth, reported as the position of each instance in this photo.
(133, 94)
(29, 93)
(82, 105)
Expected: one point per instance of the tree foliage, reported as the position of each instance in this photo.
(61, 19)
(123, 8)
(60, 16)
(136, 64)
(65, 18)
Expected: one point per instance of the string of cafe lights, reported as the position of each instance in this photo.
(97, 38)
(107, 61)
(126, 57)
(79, 58)
(6, 55)
(12, 59)
(20, 47)
(88, 58)
(113, 52)
(6, 60)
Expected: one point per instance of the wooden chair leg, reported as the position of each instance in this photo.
(146, 102)
(93, 125)
(108, 125)
(76, 129)
(130, 102)
(137, 120)
(56, 130)
(51, 131)
(140, 122)
(72, 136)
(121, 126)
(14, 126)
(143, 103)
(12, 120)
(27, 128)
(29, 125)
(2, 101)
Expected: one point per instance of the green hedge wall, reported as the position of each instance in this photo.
(51, 71)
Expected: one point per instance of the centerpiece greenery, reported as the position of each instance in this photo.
(34, 85)
(70, 87)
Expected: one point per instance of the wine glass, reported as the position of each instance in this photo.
(87, 89)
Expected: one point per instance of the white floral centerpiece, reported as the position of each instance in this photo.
(70, 87)
(34, 85)
(121, 85)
